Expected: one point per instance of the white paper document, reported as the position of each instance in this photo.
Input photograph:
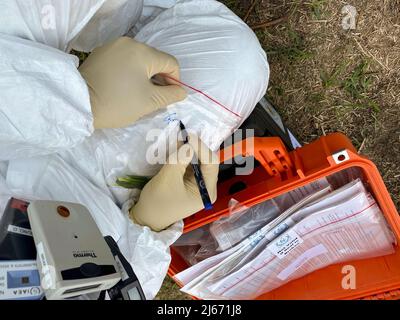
(227, 260)
(323, 229)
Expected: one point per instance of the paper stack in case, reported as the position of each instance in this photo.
(323, 229)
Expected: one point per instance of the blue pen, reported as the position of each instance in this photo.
(197, 173)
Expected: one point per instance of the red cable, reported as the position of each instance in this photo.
(202, 93)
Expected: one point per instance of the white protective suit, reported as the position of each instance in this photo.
(48, 149)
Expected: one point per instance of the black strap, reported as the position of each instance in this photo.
(122, 290)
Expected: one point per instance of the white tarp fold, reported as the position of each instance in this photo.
(44, 101)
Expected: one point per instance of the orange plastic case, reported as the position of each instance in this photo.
(280, 172)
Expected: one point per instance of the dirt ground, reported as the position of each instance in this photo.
(327, 79)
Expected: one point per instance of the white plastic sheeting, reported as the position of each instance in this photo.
(57, 23)
(113, 19)
(5, 194)
(44, 101)
(3, 169)
(151, 9)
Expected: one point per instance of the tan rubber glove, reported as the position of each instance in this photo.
(173, 193)
(119, 78)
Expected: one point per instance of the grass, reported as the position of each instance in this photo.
(170, 291)
(331, 79)
(317, 8)
(81, 55)
(132, 182)
(348, 81)
(359, 81)
(295, 51)
(356, 84)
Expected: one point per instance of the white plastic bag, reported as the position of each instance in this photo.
(3, 169)
(51, 22)
(5, 194)
(224, 233)
(51, 178)
(219, 55)
(242, 222)
(113, 19)
(56, 23)
(151, 9)
(44, 101)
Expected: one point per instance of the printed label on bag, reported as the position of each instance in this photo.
(280, 228)
(19, 230)
(285, 243)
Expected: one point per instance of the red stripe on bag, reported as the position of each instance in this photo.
(202, 93)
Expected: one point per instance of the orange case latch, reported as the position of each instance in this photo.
(270, 152)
